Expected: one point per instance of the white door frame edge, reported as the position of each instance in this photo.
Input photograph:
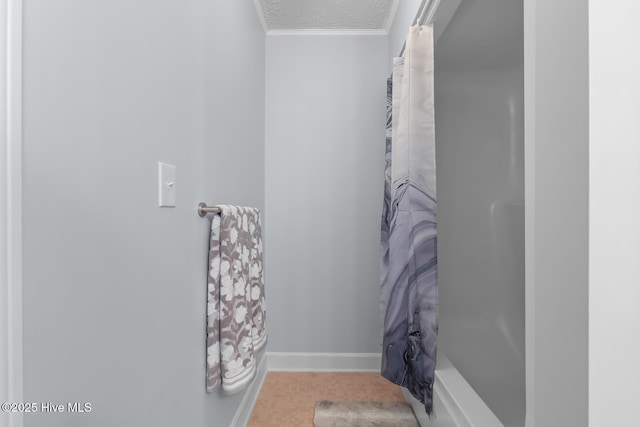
(11, 371)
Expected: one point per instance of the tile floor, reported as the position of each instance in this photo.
(287, 399)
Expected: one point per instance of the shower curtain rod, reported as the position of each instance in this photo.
(421, 15)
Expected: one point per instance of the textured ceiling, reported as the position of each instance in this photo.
(326, 14)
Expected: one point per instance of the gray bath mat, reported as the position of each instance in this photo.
(363, 414)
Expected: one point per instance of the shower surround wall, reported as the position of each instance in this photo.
(325, 128)
(479, 127)
(480, 170)
(114, 287)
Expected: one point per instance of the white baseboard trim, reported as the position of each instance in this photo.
(463, 407)
(243, 414)
(324, 362)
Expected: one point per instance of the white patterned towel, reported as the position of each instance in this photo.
(235, 302)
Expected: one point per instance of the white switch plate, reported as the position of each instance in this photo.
(166, 185)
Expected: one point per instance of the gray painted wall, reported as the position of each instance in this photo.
(324, 173)
(114, 287)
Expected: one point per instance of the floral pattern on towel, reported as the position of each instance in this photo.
(236, 303)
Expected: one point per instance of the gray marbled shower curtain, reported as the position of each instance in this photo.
(409, 266)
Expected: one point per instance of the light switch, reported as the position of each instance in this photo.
(167, 185)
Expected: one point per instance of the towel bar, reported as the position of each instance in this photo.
(203, 209)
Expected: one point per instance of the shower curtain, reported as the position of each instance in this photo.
(409, 268)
